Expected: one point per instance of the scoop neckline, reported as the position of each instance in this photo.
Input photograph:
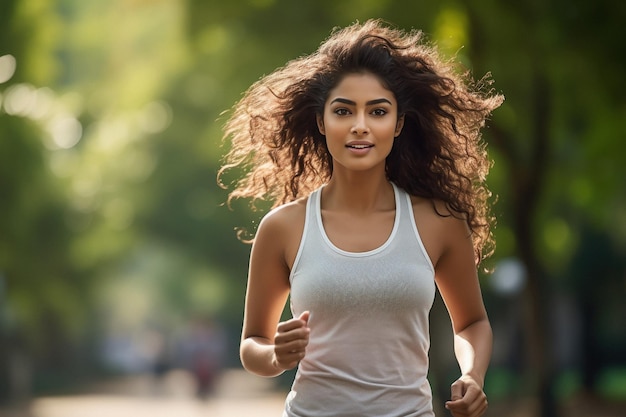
(383, 246)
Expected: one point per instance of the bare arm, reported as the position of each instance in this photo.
(268, 347)
(459, 287)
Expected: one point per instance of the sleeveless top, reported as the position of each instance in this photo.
(369, 340)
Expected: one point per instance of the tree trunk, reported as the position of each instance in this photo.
(527, 172)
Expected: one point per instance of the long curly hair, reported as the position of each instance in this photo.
(439, 154)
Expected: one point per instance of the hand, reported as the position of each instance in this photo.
(290, 342)
(468, 398)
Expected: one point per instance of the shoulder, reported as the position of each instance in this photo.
(280, 231)
(441, 229)
(284, 216)
(439, 213)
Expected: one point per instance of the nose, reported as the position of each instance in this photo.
(360, 126)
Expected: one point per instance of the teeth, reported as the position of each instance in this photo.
(359, 146)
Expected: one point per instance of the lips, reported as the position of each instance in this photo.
(359, 145)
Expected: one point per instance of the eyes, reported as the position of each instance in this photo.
(343, 111)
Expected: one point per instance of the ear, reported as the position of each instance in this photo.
(399, 126)
(320, 123)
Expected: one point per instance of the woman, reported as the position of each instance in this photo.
(370, 148)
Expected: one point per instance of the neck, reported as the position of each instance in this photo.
(358, 192)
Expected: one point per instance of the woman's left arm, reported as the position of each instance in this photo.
(457, 280)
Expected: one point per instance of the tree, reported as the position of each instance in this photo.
(541, 139)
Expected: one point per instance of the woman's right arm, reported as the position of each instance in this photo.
(268, 346)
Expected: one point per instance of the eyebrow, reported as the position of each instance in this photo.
(369, 103)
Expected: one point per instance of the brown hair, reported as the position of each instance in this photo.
(439, 155)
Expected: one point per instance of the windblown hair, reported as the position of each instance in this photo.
(439, 155)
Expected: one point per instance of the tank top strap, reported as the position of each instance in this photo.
(408, 225)
(403, 199)
(310, 226)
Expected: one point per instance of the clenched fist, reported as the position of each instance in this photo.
(290, 342)
(468, 399)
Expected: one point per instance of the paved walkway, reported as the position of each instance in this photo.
(238, 395)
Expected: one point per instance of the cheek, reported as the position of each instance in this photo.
(335, 129)
(335, 139)
(385, 130)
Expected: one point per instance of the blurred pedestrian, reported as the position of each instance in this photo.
(203, 348)
(370, 148)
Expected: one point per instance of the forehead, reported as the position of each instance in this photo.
(361, 87)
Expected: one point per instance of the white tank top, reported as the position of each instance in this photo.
(368, 348)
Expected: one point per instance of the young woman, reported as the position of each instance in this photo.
(370, 148)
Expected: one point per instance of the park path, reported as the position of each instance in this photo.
(237, 395)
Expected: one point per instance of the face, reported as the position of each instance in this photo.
(360, 122)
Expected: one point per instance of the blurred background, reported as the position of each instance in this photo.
(120, 270)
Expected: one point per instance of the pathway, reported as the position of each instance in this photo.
(238, 395)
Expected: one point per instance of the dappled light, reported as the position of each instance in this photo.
(154, 117)
(451, 31)
(7, 67)
(65, 132)
(508, 278)
(42, 106)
